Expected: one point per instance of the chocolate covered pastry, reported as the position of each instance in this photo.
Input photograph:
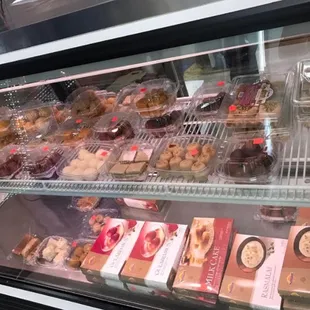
(211, 104)
(45, 164)
(12, 164)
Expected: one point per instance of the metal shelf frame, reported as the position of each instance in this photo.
(291, 188)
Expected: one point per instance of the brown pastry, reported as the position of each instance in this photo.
(166, 155)
(172, 147)
(179, 152)
(208, 149)
(19, 248)
(193, 146)
(30, 247)
(99, 218)
(175, 163)
(186, 165)
(82, 257)
(87, 247)
(96, 228)
(31, 116)
(198, 166)
(119, 169)
(204, 158)
(92, 221)
(74, 262)
(162, 164)
(45, 112)
(136, 168)
(78, 251)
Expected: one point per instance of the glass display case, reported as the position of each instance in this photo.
(167, 178)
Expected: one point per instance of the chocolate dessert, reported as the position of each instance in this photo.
(248, 161)
(11, 165)
(45, 164)
(210, 104)
(121, 129)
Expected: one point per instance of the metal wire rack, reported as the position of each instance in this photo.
(290, 188)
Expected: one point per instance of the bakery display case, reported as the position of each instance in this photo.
(168, 177)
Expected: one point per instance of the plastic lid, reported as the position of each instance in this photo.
(154, 97)
(250, 160)
(253, 100)
(123, 98)
(301, 94)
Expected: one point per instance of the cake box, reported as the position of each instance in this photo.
(303, 217)
(203, 261)
(112, 248)
(156, 255)
(253, 272)
(295, 275)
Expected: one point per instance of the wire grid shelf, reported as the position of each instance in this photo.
(292, 187)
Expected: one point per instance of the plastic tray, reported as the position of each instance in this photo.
(153, 98)
(128, 157)
(94, 161)
(116, 126)
(250, 160)
(255, 100)
(11, 161)
(90, 203)
(37, 118)
(123, 98)
(277, 214)
(88, 228)
(301, 93)
(178, 146)
(79, 248)
(158, 127)
(72, 132)
(51, 264)
(208, 99)
(45, 160)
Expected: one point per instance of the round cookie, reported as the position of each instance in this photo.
(172, 146)
(198, 166)
(162, 164)
(179, 152)
(175, 163)
(204, 158)
(208, 149)
(186, 165)
(192, 155)
(166, 155)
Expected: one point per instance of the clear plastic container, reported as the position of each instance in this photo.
(95, 221)
(85, 204)
(150, 205)
(36, 118)
(208, 99)
(158, 127)
(250, 160)
(53, 252)
(79, 248)
(85, 162)
(153, 98)
(62, 112)
(256, 102)
(44, 161)
(85, 102)
(11, 161)
(72, 132)
(130, 162)
(301, 93)
(123, 98)
(277, 214)
(27, 247)
(190, 157)
(116, 126)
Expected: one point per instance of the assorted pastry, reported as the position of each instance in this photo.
(249, 159)
(115, 126)
(253, 103)
(11, 165)
(277, 214)
(53, 250)
(96, 222)
(168, 123)
(85, 204)
(86, 166)
(132, 162)
(78, 253)
(36, 120)
(44, 164)
(27, 247)
(191, 157)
